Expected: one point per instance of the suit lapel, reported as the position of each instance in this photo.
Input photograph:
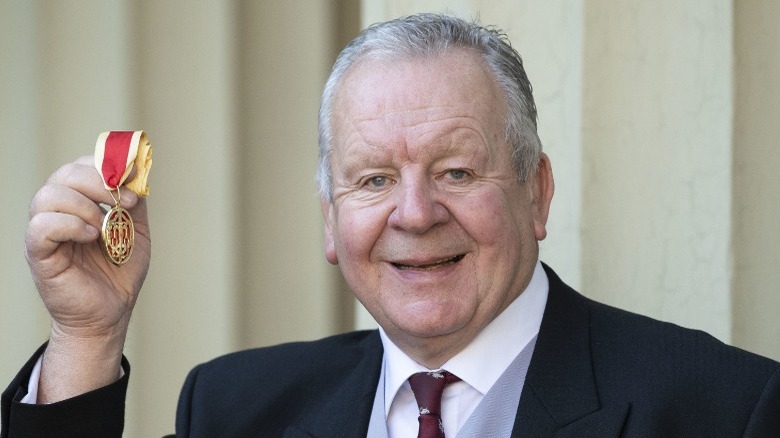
(349, 409)
(560, 394)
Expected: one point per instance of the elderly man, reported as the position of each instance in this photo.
(435, 194)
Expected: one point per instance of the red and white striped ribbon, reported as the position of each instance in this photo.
(115, 152)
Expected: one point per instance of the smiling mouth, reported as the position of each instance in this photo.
(430, 266)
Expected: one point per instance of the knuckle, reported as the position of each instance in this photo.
(29, 252)
(36, 232)
(86, 160)
(36, 227)
(61, 174)
(42, 198)
(71, 174)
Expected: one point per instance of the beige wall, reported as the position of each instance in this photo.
(659, 120)
(657, 125)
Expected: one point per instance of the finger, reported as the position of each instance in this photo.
(89, 160)
(47, 230)
(63, 199)
(128, 197)
(139, 210)
(85, 179)
(86, 160)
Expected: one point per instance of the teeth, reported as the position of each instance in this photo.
(431, 266)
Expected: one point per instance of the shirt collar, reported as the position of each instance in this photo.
(483, 361)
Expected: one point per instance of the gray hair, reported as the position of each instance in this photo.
(429, 35)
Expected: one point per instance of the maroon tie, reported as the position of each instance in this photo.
(427, 388)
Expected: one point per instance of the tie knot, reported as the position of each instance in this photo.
(428, 388)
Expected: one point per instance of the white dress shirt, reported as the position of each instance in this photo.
(479, 365)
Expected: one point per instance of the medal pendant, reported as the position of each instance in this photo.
(118, 235)
(115, 157)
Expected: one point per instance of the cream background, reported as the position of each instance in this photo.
(660, 119)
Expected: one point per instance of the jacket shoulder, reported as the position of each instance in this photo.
(626, 336)
(618, 333)
(675, 378)
(267, 389)
(331, 352)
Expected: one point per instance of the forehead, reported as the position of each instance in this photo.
(407, 96)
(379, 85)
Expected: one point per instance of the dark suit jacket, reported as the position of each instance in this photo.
(596, 372)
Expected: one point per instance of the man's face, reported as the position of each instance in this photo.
(428, 222)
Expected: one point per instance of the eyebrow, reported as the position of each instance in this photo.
(360, 156)
(460, 141)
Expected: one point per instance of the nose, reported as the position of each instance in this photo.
(417, 207)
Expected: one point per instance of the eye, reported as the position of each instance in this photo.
(377, 182)
(456, 177)
(457, 174)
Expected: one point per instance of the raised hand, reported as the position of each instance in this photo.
(90, 300)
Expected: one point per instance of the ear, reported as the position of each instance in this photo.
(543, 188)
(330, 244)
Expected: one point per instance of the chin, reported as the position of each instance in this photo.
(430, 322)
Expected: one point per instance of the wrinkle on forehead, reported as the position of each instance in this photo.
(407, 104)
(399, 78)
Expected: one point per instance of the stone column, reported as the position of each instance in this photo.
(756, 189)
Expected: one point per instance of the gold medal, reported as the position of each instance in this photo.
(118, 235)
(116, 152)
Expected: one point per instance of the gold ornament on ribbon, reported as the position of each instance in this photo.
(116, 153)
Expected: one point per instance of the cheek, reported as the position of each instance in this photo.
(505, 241)
(357, 232)
(492, 221)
